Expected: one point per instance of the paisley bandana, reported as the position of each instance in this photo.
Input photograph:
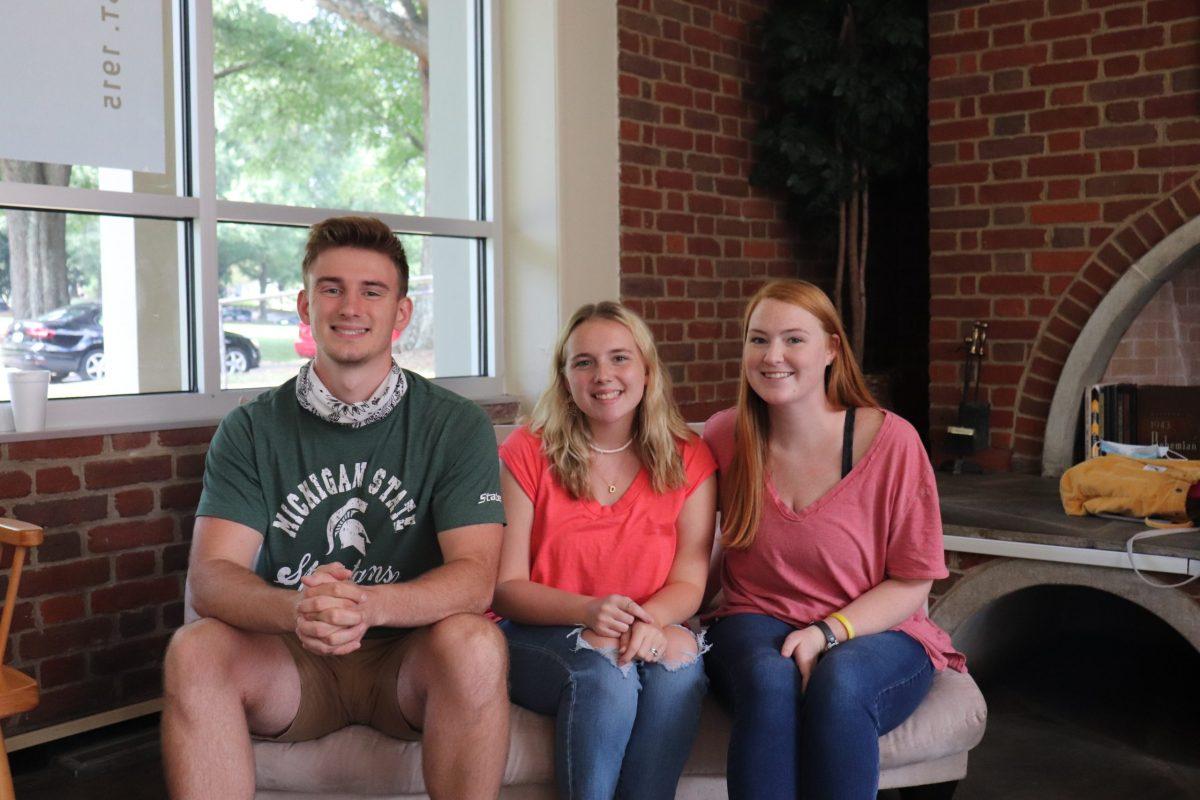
(319, 401)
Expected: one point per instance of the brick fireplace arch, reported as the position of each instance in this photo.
(1146, 250)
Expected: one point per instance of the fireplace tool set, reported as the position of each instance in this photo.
(969, 434)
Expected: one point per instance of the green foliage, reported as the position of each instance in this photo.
(839, 113)
(316, 113)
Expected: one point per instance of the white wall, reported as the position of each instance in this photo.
(560, 163)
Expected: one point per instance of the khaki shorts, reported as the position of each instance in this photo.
(358, 688)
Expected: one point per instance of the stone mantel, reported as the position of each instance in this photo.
(1020, 515)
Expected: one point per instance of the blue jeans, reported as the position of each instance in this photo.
(618, 733)
(821, 744)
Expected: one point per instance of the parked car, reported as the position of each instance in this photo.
(236, 314)
(307, 348)
(71, 339)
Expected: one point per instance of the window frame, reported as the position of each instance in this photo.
(202, 211)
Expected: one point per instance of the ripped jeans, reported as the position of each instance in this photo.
(623, 734)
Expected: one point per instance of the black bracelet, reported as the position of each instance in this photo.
(830, 640)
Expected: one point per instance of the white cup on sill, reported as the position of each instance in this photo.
(28, 388)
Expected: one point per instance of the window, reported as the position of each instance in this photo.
(155, 198)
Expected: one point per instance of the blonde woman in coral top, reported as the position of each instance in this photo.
(610, 502)
(831, 539)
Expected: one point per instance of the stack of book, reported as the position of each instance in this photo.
(1133, 414)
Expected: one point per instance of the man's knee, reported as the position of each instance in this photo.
(199, 651)
(470, 650)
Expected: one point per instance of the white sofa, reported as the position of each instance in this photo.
(358, 762)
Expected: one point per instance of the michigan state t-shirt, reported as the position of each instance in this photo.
(372, 498)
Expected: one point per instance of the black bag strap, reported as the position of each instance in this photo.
(848, 442)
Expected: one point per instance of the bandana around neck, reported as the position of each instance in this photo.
(319, 401)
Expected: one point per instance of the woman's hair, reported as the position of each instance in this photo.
(844, 387)
(657, 427)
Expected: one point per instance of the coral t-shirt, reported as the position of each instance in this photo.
(583, 547)
(880, 521)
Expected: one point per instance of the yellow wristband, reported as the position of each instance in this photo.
(840, 617)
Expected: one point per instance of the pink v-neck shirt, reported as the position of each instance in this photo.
(583, 547)
(880, 521)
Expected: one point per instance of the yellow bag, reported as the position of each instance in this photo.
(1132, 487)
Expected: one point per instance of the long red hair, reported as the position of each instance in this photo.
(844, 387)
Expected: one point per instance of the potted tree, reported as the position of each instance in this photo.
(843, 90)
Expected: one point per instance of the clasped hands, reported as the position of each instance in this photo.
(332, 612)
(616, 620)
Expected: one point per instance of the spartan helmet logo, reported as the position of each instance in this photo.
(348, 530)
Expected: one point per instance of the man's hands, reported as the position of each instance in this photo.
(804, 646)
(332, 612)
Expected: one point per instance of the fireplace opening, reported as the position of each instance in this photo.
(1085, 690)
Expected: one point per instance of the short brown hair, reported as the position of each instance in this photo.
(365, 233)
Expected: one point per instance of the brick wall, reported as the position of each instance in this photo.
(696, 239)
(1064, 144)
(1162, 346)
(101, 595)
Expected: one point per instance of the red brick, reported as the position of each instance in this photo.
(1027, 191)
(959, 218)
(1011, 285)
(137, 622)
(135, 565)
(1059, 260)
(1064, 72)
(1127, 40)
(64, 577)
(1013, 330)
(1171, 106)
(134, 502)
(1001, 58)
(135, 594)
(15, 484)
(1139, 87)
(60, 546)
(1062, 118)
(968, 42)
(1166, 10)
(1117, 161)
(994, 14)
(1012, 101)
(1117, 185)
(1120, 66)
(52, 672)
(55, 448)
(1065, 212)
(55, 480)
(55, 513)
(1011, 146)
(181, 496)
(1170, 156)
(1081, 164)
(122, 472)
(1063, 27)
(126, 656)
(64, 639)
(56, 610)
(1120, 136)
(128, 535)
(129, 441)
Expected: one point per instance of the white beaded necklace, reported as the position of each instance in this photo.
(612, 486)
(620, 449)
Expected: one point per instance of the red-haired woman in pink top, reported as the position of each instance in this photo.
(831, 538)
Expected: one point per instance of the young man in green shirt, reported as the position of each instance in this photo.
(345, 547)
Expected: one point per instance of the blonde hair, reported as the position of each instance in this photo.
(844, 387)
(658, 426)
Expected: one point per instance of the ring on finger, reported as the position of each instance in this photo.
(655, 652)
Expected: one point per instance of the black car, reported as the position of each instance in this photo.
(71, 339)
